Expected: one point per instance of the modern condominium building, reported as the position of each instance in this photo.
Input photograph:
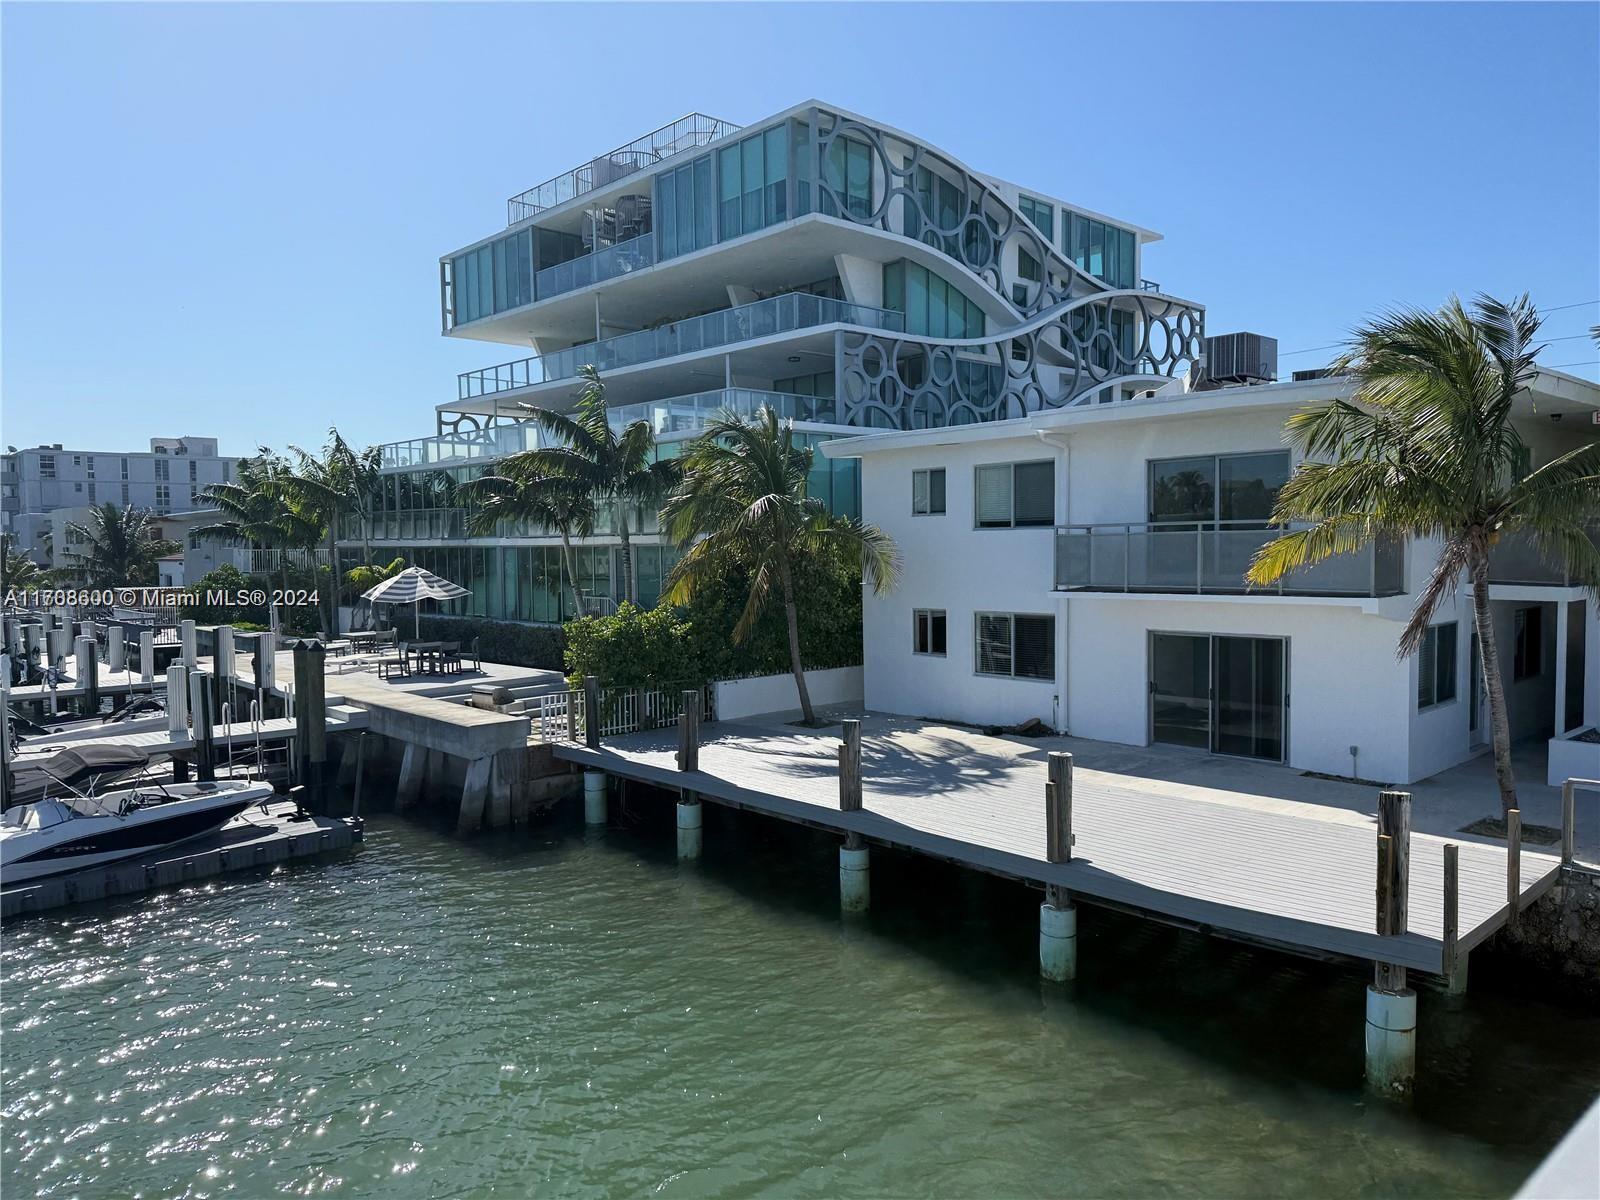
(1076, 474)
(37, 482)
(851, 276)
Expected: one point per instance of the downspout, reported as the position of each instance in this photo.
(1062, 444)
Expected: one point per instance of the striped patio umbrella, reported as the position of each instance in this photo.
(413, 586)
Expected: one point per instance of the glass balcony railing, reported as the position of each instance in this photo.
(452, 449)
(451, 524)
(764, 318)
(1211, 559)
(1515, 559)
(686, 133)
(685, 414)
(604, 264)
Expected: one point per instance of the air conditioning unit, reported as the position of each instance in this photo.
(1241, 358)
(1312, 373)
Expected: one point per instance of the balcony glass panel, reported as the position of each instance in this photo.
(1210, 559)
(624, 257)
(777, 314)
(1515, 559)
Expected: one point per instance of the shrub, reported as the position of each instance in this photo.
(226, 578)
(498, 641)
(695, 644)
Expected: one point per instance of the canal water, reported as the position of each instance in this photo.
(570, 1013)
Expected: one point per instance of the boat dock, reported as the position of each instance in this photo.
(255, 838)
(1281, 875)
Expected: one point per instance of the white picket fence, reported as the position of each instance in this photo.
(559, 716)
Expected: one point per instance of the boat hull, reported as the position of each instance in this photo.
(96, 841)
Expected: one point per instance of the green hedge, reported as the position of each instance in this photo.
(695, 644)
(498, 641)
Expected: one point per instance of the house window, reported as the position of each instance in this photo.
(47, 466)
(1436, 666)
(194, 470)
(124, 495)
(1235, 490)
(77, 486)
(928, 631)
(90, 466)
(163, 497)
(1015, 645)
(163, 470)
(93, 499)
(124, 468)
(77, 460)
(1528, 638)
(927, 491)
(1013, 495)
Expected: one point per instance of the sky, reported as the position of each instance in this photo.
(227, 219)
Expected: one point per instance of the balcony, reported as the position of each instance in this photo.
(686, 133)
(1210, 560)
(747, 322)
(606, 263)
(452, 524)
(1514, 559)
(453, 449)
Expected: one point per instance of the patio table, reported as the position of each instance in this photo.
(424, 652)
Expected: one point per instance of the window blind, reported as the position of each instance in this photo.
(1035, 651)
(994, 496)
(1035, 487)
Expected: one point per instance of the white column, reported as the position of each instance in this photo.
(1562, 716)
(178, 700)
(1391, 1039)
(60, 642)
(689, 830)
(594, 797)
(116, 649)
(1058, 942)
(188, 641)
(222, 660)
(147, 655)
(83, 664)
(855, 879)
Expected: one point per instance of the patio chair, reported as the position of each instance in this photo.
(396, 663)
(472, 651)
(450, 657)
(388, 637)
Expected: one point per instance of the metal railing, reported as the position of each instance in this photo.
(497, 441)
(265, 562)
(449, 524)
(606, 263)
(686, 133)
(1210, 557)
(746, 322)
(559, 716)
(681, 414)
(1516, 559)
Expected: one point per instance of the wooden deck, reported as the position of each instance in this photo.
(158, 739)
(1261, 873)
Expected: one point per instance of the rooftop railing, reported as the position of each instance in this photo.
(686, 133)
(764, 318)
(1210, 558)
(451, 449)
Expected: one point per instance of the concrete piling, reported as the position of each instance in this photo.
(1391, 1039)
(116, 649)
(594, 797)
(855, 877)
(1058, 940)
(147, 656)
(189, 642)
(689, 827)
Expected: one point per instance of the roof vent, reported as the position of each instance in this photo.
(1241, 358)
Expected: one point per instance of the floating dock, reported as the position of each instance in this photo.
(255, 838)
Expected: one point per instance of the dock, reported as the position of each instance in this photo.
(255, 838)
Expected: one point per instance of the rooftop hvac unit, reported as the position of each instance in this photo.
(1313, 373)
(1241, 358)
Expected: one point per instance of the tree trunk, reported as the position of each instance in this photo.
(570, 562)
(796, 664)
(333, 576)
(1493, 685)
(626, 552)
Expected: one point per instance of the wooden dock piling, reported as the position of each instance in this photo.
(1452, 912)
(591, 711)
(1513, 865)
(850, 767)
(311, 721)
(1394, 879)
(689, 730)
(1058, 808)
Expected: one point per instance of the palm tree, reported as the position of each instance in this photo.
(614, 468)
(255, 512)
(520, 493)
(17, 568)
(323, 489)
(116, 546)
(744, 496)
(1426, 448)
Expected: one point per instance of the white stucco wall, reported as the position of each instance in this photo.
(777, 693)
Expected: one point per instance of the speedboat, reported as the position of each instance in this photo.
(52, 836)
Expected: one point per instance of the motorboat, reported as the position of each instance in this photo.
(70, 770)
(56, 835)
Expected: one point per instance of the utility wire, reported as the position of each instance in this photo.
(1555, 308)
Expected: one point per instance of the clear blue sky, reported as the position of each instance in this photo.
(228, 219)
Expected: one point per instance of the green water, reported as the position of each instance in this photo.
(562, 1013)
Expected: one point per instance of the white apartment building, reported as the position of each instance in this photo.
(37, 482)
(1084, 566)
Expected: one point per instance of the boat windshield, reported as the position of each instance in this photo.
(38, 815)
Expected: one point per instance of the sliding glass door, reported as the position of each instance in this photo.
(1223, 694)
